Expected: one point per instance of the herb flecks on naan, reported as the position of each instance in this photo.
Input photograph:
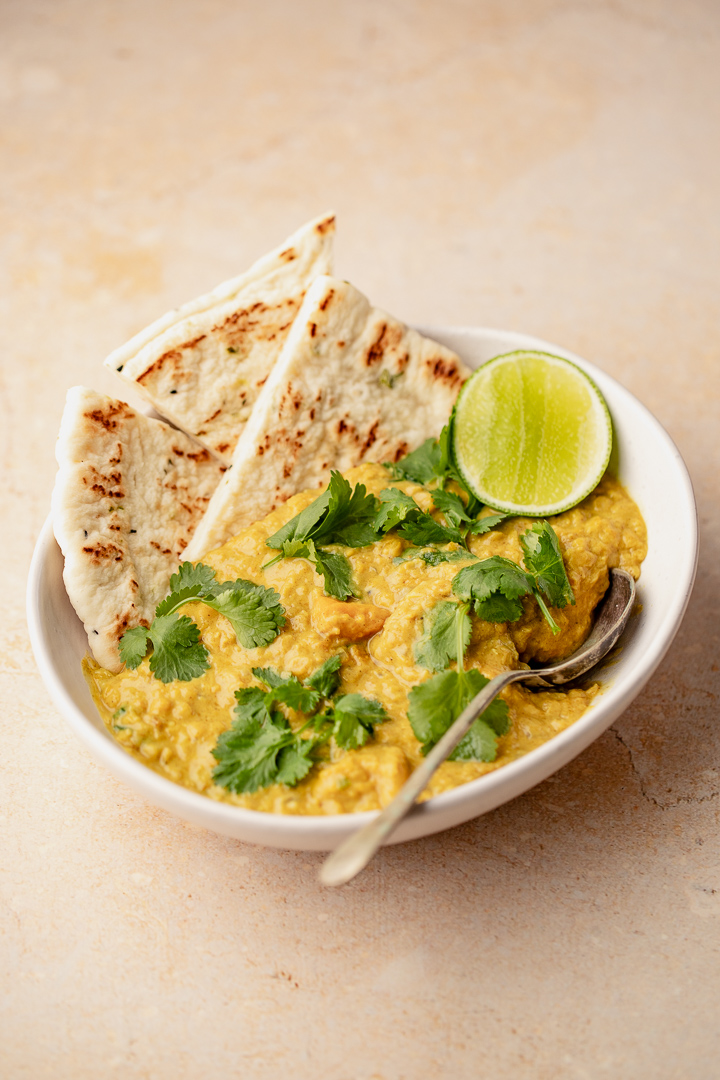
(129, 493)
(352, 384)
(204, 365)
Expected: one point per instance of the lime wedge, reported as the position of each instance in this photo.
(532, 434)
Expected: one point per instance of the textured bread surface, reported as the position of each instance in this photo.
(128, 495)
(352, 384)
(203, 366)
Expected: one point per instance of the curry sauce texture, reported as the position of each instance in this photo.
(173, 728)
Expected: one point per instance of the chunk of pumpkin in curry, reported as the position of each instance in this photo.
(173, 728)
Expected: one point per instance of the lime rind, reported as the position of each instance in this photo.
(549, 429)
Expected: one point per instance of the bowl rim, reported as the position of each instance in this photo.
(546, 758)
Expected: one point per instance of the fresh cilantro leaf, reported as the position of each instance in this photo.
(271, 677)
(178, 652)
(458, 515)
(336, 572)
(433, 556)
(327, 678)
(396, 507)
(449, 469)
(288, 690)
(197, 576)
(499, 608)
(253, 611)
(248, 761)
(334, 568)
(386, 378)
(400, 511)
(445, 463)
(422, 465)
(355, 534)
(434, 461)
(133, 646)
(480, 743)
(349, 517)
(452, 507)
(294, 549)
(438, 644)
(433, 707)
(268, 598)
(484, 524)
(543, 559)
(187, 595)
(496, 586)
(192, 581)
(354, 718)
(260, 748)
(422, 529)
(296, 696)
(295, 761)
(302, 525)
(411, 553)
(254, 708)
(341, 515)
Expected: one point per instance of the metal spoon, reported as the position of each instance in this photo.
(355, 853)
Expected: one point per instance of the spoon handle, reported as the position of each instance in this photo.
(349, 858)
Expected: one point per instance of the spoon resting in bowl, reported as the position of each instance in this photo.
(350, 857)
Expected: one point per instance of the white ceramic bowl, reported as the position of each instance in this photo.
(649, 466)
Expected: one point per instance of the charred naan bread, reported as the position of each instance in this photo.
(352, 384)
(128, 495)
(203, 365)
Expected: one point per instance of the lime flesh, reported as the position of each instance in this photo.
(532, 434)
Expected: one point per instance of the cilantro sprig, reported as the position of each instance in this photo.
(433, 706)
(438, 644)
(399, 511)
(341, 515)
(434, 556)
(456, 515)
(261, 748)
(496, 586)
(254, 612)
(433, 462)
(352, 517)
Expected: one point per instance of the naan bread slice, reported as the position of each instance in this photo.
(352, 384)
(203, 365)
(129, 493)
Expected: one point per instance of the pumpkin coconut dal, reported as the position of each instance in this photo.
(368, 637)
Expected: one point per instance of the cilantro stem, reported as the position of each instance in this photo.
(277, 559)
(181, 603)
(543, 607)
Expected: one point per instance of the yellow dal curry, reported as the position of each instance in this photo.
(173, 728)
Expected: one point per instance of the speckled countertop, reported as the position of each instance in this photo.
(544, 166)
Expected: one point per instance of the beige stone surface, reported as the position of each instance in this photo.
(539, 165)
